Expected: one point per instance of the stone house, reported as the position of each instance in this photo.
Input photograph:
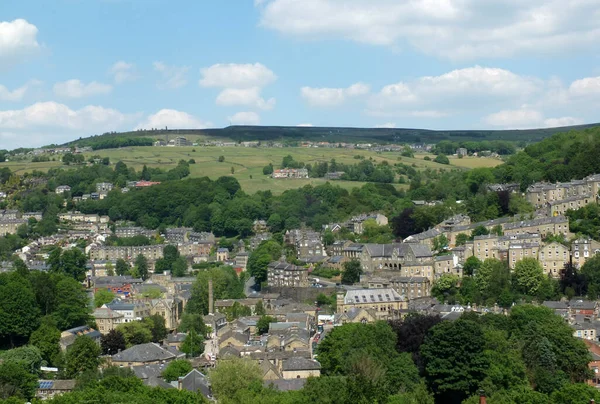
(387, 303)
(281, 273)
(145, 354)
(300, 368)
(107, 319)
(553, 258)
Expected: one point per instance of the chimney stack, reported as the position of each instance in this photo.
(211, 303)
(482, 399)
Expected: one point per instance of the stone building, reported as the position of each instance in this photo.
(386, 302)
(281, 273)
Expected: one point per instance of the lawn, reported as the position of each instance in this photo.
(247, 163)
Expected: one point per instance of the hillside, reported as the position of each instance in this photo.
(562, 157)
(337, 134)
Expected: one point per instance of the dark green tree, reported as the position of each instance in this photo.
(19, 313)
(176, 369)
(156, 325)
(454, 369)
(72, 306)
(122, 268)
(141, 266)
(112, 343)
(46, 339)
(193, 344)
(82, 355)
(195, 322)
(352, 272)
(262, 325)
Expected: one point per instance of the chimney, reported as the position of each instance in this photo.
(211, 303)
(482, 399)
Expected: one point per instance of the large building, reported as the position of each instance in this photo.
(283, 274)
(385, 302)
(290, 173)
(151, 252)
(10, 226)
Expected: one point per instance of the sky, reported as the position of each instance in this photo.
(76, 68)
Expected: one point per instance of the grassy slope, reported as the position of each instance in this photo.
(250, 162)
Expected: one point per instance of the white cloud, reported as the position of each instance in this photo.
(18, 39)
(244, 96)
(18, 93)
(173, 119)
(305, 125)
(122, 72)
(525, 118)
(564, 121)
(236, 75)
(52, 122)
(428, 96)
(329, 97)
(53, 114)
(173, 76)
(586, 86)
(244, 118)
(242, 84)
(388, 125)
(453, 29)
(77, 89)
(515, 119)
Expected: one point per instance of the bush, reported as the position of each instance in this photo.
(442, 159)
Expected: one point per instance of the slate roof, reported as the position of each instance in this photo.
(149, 352)
(287, 384)
(298, 363)
(196, 381)
(357, 296)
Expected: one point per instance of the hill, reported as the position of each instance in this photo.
(337, 134)
(562, 157)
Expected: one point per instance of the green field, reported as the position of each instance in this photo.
(249, 162)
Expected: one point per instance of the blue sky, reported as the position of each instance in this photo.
(71, 68)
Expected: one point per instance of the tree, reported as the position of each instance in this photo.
(122, 268)
(453, 368)
(411, 332)
(73, 262)
(81, 356)
(72, 307)
(113, 342)
(103, 296)
(340, 350)
(461, 239)
(16, 381)
(109, 269)
(261, 257)
(268, 169)
(176, 369)
(572, 282)
(259, 308)
(28, 356)
(262, 325)
(141, 266)
(591, 274)
(232, 376)
(135, 333)
(352, 272)
(195, 322)
(404, 224)
(193, 344)
(440, 243)
(441, 159)
(472, 264)
(445, 288)
(221, 159)
(46, 338)
(156, 325)
(528, 276)
(19, 314)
